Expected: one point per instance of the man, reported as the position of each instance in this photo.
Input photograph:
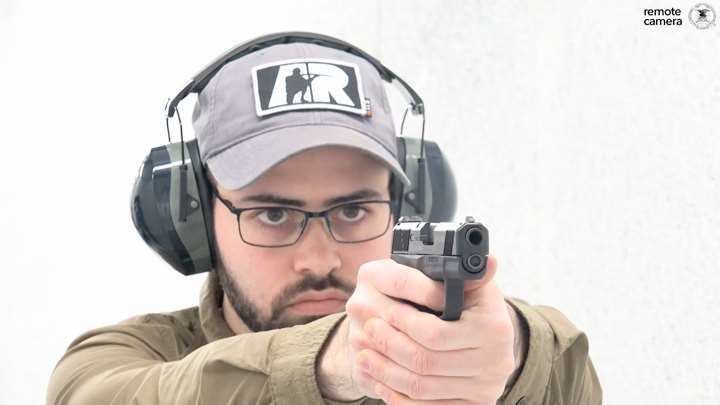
(301, 213)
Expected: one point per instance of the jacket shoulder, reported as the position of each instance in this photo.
(184, 319)
(167, 336)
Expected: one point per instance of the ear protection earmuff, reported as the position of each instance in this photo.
(171, 200)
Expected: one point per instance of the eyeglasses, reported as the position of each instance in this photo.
(278, 226)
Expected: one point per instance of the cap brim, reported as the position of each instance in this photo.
(243, 163)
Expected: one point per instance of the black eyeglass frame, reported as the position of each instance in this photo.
(308, 215)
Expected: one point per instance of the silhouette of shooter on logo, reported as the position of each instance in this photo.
(296, 83)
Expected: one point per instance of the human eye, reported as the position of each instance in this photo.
(351, 212)
(271, 216)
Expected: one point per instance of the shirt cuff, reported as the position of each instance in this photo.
(530, 385)
(292, 360)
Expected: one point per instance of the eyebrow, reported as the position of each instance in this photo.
(361, 194)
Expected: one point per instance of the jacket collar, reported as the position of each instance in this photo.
(212, 320)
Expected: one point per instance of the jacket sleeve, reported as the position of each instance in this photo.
(557, 368)
(143, 364)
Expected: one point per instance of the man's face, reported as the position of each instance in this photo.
(271, 288)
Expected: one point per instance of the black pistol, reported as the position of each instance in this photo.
(445, 251)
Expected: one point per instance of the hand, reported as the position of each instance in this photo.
(406, 356)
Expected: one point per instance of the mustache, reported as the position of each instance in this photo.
(310, 283)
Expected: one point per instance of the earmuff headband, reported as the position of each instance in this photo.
(200, 80)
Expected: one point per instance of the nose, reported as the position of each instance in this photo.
(317, 251)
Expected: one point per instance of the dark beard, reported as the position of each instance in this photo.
(252, 315)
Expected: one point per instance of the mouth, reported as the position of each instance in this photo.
(319, 302)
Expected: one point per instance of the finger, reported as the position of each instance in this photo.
(413, 385)
(403, 282)
(365, 383)
(369, 303)
(432, 332)
(484, 294)
(372, 305)
(390, 396)
(490, 271)
(399, 348)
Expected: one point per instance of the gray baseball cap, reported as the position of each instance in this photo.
(271, 104)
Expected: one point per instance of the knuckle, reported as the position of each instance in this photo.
(378, 372)
(435, 339)
(394, 316)
(358, 308)
(400, 283)
(362, 273)
(381, 343)
(361, 379)
(356, 340)
(416, 388)
(421, 362)
(352, 306)
(366, 270)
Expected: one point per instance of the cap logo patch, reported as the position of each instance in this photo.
(299, 84)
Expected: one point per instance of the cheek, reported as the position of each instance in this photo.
(255, 270)
(260, 270)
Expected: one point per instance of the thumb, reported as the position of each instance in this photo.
(490, 270)
(484, 293)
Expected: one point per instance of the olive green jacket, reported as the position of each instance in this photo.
(192, 357)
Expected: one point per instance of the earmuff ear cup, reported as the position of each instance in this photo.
(437, 200)
(442, 184)
(397, 188)
(180, 238)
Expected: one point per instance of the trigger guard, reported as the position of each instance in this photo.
(454, 294)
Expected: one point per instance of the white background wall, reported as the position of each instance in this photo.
(585, 141)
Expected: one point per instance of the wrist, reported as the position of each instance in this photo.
(334, 372)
